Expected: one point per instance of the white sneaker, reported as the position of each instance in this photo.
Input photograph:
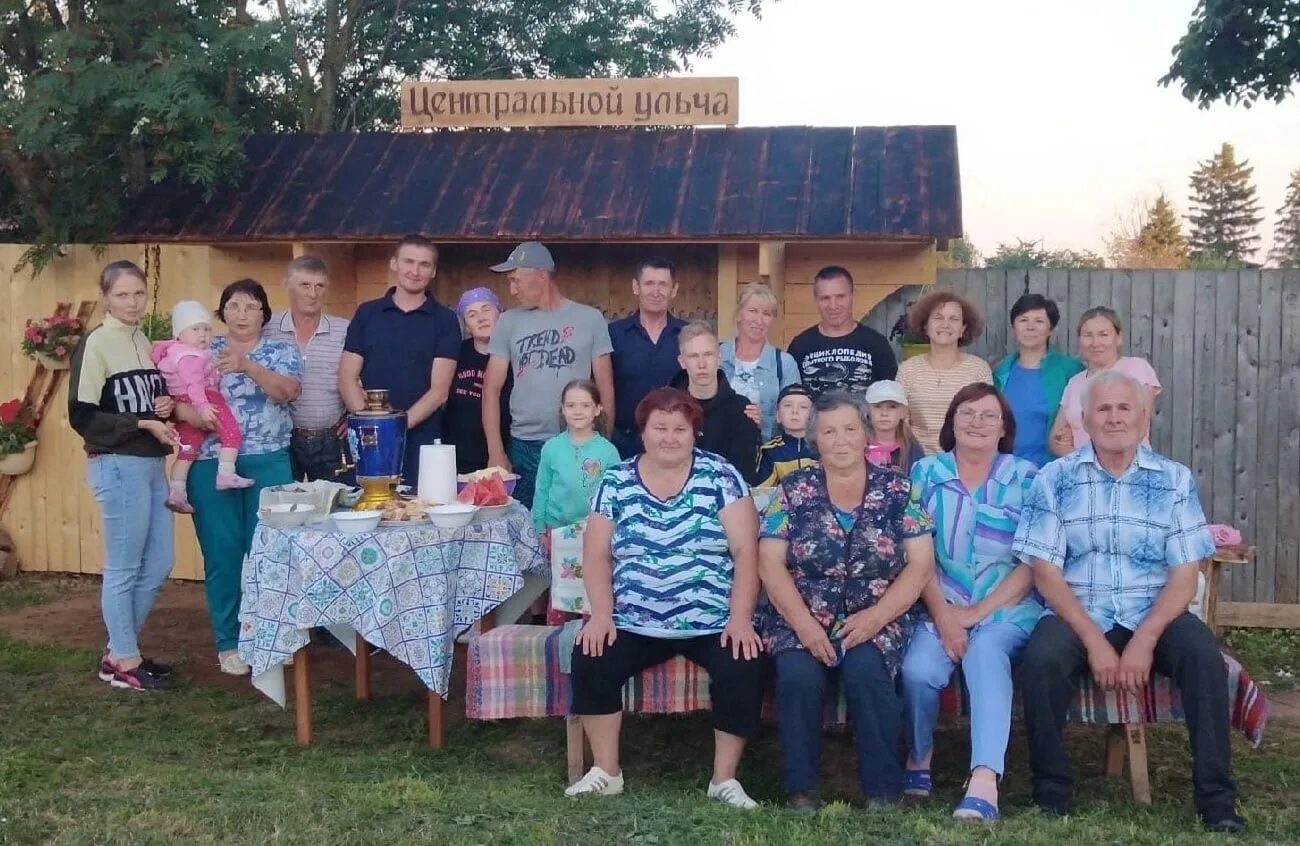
(596, 782)
(731, 793)
(232, 664)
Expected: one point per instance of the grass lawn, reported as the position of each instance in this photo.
(81, 763)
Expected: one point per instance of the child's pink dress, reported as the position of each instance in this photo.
(192, 378)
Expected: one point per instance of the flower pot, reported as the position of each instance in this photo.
(18, 463)
(913, 350)
(52, 363)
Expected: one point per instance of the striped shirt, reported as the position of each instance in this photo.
(671, 560)
(1115, 539)
(930, 392)
(319, 406)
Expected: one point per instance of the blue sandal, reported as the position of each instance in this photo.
(974, 808)
(917, 783)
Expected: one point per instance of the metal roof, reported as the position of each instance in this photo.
(574, 184)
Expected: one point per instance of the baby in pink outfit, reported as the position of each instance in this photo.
(186, 365)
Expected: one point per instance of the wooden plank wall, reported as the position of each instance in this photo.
(1226, 346)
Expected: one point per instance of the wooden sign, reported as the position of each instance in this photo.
(681, 101)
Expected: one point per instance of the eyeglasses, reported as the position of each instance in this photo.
(967, 416)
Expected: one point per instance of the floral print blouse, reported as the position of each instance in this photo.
(839, 572)
(264, 423)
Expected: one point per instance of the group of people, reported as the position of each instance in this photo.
(923, 516)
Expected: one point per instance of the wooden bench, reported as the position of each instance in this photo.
(514, 671)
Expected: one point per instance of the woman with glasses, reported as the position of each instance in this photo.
(260, 377)
(980, 603)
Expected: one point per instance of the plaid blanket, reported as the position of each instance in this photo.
(514, 671)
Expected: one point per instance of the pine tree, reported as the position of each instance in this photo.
(1161, 234)
(1286, 234)
(1150, 237)
(1224, 208)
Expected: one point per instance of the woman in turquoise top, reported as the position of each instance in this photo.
(754, 368)
(260, 377)
(980, 603)
(1034, 377)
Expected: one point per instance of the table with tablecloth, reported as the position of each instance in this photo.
(409, 590)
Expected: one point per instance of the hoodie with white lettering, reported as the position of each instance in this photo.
(111, 388)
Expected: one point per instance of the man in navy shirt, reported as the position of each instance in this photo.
(405, 342)
(645, 347)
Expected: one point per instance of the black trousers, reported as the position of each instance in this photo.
(318, 456)
(735, 684)
(1053, 661)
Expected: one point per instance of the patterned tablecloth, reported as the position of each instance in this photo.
(409, 590)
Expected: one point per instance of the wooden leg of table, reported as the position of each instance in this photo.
(302, 696)
(361, 669)
(575, 751)
(435, 720)
(1137, 763)
(1210, 604)
(1116, 750)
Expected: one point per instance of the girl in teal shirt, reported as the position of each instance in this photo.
(573, 461)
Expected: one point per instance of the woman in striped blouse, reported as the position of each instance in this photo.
(981, 607)
(948, 322)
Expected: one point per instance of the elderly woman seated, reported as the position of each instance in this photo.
(981, 608)
(670, 568)
(845, 550)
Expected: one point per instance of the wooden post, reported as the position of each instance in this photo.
(302, 696)
(1116, 750)
(1136, 736)
(771, 269)
(361, 669)
(575, 750)
(728, 282)
(435, 720)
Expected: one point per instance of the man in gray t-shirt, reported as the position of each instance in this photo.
(546, 343)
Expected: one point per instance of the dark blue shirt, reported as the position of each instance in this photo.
(640, 365)
(1028, 400)
(399, 348)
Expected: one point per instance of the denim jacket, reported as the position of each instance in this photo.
(775, 369)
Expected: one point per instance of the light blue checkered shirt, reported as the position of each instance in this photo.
(1114, 538)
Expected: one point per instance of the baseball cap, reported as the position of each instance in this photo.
(794, 390)
(529, 254)
(886, 390)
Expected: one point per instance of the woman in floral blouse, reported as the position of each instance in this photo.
(260, 377)
(981, 608)
(844, 552)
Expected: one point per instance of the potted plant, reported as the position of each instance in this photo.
(17, 438)
(51, 340)
(909, 345)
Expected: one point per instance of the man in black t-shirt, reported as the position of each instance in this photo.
(839, 353)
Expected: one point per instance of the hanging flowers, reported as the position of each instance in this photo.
(17, 427)
(51, 340)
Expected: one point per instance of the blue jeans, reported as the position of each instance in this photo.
(138, 554)
(875, 711)
(986, 667)
(524, 457)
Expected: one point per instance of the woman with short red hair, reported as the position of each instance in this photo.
(670, 564)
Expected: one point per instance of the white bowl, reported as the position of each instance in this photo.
(286, 515)
(355, 522)
(450, 516)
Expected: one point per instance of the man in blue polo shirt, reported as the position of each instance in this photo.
(645, 347)
(405, 342)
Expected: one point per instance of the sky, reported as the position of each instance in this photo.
(1062, 128)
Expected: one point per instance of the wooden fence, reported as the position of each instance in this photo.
(1226, 346)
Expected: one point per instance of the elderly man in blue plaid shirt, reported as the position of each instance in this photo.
(1115, 534)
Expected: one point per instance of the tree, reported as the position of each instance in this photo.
(1238, 51)
(102, 96)
(961, 253)
(1155, 240)
(1224, 209)
(1031, 254)
(1286, 234)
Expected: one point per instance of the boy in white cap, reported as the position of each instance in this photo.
(186, 365)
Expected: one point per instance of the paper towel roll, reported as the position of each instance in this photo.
(437, 479)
